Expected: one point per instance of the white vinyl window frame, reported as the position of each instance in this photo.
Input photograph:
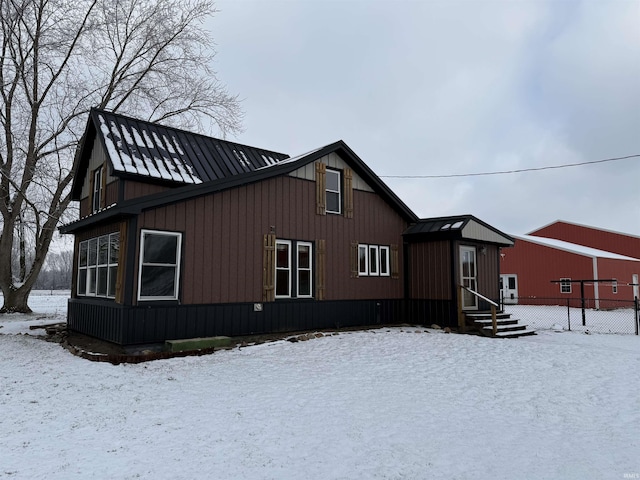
(363, 260)
(374, 263)
(308, 269)
(374, 260)
(614, 287)
(176, 265)
(90, 265)
(332, 191)
(565, 285)
(383, 257)
(283, 268)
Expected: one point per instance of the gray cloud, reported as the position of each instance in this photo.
(443, 87)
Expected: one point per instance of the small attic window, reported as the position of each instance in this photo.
(446, 226)
(457, 225)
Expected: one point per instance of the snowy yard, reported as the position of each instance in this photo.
(388, 404)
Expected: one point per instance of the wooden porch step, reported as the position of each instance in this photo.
(513, 327)
(520, 333)
(485, 315)
(507, 327)
(499, 321)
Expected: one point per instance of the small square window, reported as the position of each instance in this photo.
(565, 285)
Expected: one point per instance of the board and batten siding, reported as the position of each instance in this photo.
(430, 271)
(333, 160)
(223, 233)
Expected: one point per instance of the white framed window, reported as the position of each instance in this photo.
(373, 260)
(614, 287)
(363, 260)
(384, 261)
(159, 272)
(565, 285)
(333, 191)
(97, 190)
(304, 270)
(98, 266)
(283, 268)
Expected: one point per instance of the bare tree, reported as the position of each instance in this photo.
(61, 57)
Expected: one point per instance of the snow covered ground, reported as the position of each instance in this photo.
(389, 403)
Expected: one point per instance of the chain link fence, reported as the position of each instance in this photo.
(575, 314)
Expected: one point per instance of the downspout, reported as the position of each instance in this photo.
(595, 284)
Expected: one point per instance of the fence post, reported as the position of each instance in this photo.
(568, 315)
(637, 317)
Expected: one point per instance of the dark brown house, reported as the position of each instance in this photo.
(182, 235)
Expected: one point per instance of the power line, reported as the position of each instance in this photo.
(535, 169)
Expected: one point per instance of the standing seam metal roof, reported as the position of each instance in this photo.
(154, 151)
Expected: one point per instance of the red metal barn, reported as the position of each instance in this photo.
(528, 269)
(610, 241)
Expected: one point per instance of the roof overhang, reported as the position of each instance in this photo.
(460, 227)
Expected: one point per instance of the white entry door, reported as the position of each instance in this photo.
(469, 277)
(509, 288)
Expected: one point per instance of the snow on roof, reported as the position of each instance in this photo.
(290, 160)
(161, 152)
(144, 154)
(573, 248)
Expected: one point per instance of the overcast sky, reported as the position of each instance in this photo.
(452, 87)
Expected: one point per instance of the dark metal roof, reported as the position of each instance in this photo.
(137, 205)
(456, 227)
(158, 153)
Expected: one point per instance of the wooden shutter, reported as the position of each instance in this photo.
(320, 269)
(348, 193)
(395, 265)
(122, 263)
(354, 260)
(268, 268)
(321, 187)
(103, 187)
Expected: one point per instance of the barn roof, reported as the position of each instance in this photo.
(157, 153)
(459, 227)
(574, 248)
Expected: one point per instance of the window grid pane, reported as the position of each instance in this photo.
(305, 288)
(283, 268)
(333, 191)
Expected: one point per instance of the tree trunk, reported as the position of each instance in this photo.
(15, 301)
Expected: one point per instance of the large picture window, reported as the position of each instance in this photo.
(159, 265)
(98, 266)
(333, 192)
